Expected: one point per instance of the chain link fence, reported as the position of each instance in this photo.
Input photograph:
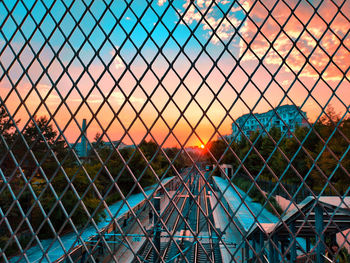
(174, 131)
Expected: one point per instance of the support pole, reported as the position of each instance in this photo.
(320, 249)
(271, 251)
(261, 244)
(254, 248)
(157, 230)
(293, 241)
(333, 237)
(275, 240)
(247, 250)
(83, 257)
(308, 245)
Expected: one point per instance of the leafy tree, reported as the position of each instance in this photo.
(302, 148)
(7, 126)
(7, 130)
(98, 143)
(80, 179)
(178, 163)
(44, 145)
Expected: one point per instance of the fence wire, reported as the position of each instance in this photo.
(174, 131)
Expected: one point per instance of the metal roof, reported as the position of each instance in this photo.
(336, 218)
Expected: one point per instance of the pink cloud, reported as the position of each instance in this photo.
(306, 49)
(224, 26)
(161, 2)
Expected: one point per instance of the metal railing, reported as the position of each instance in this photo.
(105, 105)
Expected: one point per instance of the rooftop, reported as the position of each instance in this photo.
(272, 111)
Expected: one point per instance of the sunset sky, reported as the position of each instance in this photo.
(223, 58)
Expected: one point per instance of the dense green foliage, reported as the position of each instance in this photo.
(316, 155)
(84, 186)
(129, 166)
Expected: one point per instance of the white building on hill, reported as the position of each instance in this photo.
(286, 118)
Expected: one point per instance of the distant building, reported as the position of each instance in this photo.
(286, 117)
(226, 170)
(194, 149)
(82, 148)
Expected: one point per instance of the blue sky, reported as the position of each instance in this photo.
(77, 71)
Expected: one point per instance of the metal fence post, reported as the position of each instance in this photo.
(293, 251)
(320, 247)
(156, 230)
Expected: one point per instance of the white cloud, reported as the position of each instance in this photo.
(223, 25)
(161, 2)
(285, 82)
(295, 48)
(200, 3)
(117, 62)
(115, 96)
(224, 2)
(43, 87)
(119, 97)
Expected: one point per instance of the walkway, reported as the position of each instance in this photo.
(125, 255)
(70, 240)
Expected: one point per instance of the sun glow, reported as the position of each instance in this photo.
(202, 146)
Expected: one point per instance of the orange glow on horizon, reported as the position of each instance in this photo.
(136, 111)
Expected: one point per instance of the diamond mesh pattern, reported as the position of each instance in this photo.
(233, 115)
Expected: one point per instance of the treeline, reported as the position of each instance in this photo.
(134, 168)
(38, 168)
(318, 156)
